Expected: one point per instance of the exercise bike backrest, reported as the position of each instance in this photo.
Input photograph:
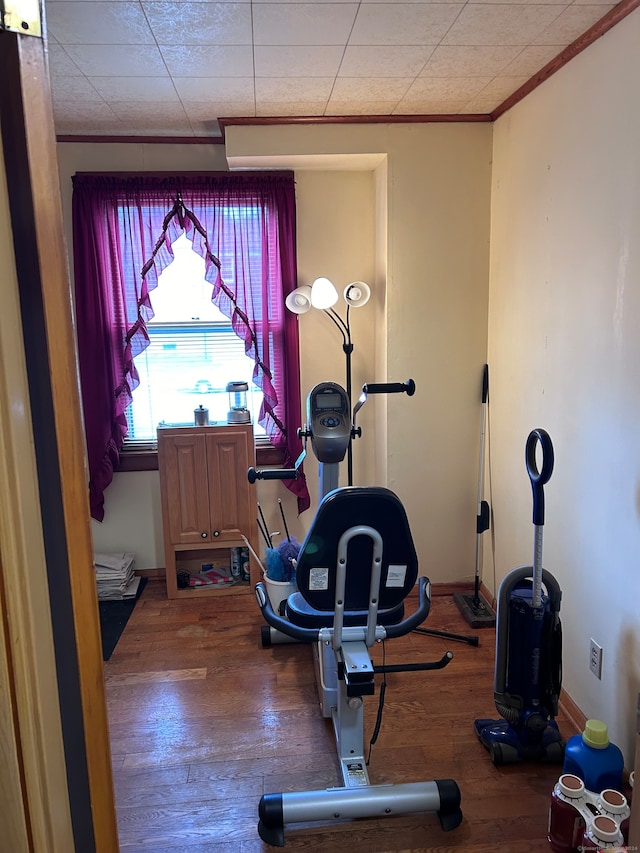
(340, 511)
(355, 568)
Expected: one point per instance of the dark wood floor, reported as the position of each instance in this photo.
(204, 721)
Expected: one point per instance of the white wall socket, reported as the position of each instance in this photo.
(595, 658)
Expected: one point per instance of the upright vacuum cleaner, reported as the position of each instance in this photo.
(528, 667)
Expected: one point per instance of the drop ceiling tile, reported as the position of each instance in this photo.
(199, 23)
(118, 60)
(520, 2)
(425, 94)
(384, 60)
(502, 87)
(201, 60)
(572, 23)
(76, 89)
(309, 61)
(469, 61)
(157, 125)
(205, 89)
(370, 89)
(403, 23)
(202, 111)
(292, 108)
(317, 2)
(155, 89)
(303, 23)
(90, 127)
(141, 111)
(481, 105)
(75, 111)
(293, 89)
(501, 24)
(85, 22)
(428, 106)
(336, 107)
(60, 63)
(530, 60)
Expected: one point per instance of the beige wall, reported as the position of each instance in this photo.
(564, 350)
(431, 199)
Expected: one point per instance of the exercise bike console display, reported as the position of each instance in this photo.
(329, 422)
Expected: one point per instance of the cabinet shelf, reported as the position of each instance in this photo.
(208, 504)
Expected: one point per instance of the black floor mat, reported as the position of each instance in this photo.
(114, 616)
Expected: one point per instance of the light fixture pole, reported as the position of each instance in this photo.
(323, 295)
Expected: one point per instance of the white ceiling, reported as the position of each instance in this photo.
(173, 67)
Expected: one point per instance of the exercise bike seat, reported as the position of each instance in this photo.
(313, 606)
(300, 613)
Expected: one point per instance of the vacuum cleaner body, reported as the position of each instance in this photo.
(528, 672)
(528, 667)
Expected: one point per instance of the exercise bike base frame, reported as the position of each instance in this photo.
(441, 796)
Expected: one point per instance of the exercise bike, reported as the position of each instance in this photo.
(354, 571)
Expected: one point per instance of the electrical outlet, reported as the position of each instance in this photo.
(595, 658)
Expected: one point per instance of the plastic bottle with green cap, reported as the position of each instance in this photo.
(594, 759)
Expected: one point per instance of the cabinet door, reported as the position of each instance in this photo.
(228, 458)
(183, 472)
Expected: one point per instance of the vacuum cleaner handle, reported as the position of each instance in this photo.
(539, 477)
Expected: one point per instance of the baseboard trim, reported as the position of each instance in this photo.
(150, 574)
(571, 710)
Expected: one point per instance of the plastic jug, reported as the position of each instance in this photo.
(592, 758)
(566, 823)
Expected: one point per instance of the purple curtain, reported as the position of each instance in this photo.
(123, 229)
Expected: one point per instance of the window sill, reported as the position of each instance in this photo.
(147, 460)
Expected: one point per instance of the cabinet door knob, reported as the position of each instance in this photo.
(203, 535)
(216, 533)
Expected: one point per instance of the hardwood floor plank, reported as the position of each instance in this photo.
(203, 721)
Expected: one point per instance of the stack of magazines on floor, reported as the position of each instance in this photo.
(114, 576)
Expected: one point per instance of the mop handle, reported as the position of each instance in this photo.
(481, 524)
(538, 479)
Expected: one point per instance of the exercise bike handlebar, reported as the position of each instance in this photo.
(254, 474)
(312, 635)
(408, 388)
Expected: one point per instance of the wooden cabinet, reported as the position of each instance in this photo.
(208, 503)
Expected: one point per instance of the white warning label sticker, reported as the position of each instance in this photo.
(396, 575)
(319, 578)
(356, 773)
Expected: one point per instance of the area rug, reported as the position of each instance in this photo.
(114, 616)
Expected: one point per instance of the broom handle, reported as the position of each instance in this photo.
(482, 518)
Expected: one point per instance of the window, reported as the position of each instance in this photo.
(193, 353)
(126, 231)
